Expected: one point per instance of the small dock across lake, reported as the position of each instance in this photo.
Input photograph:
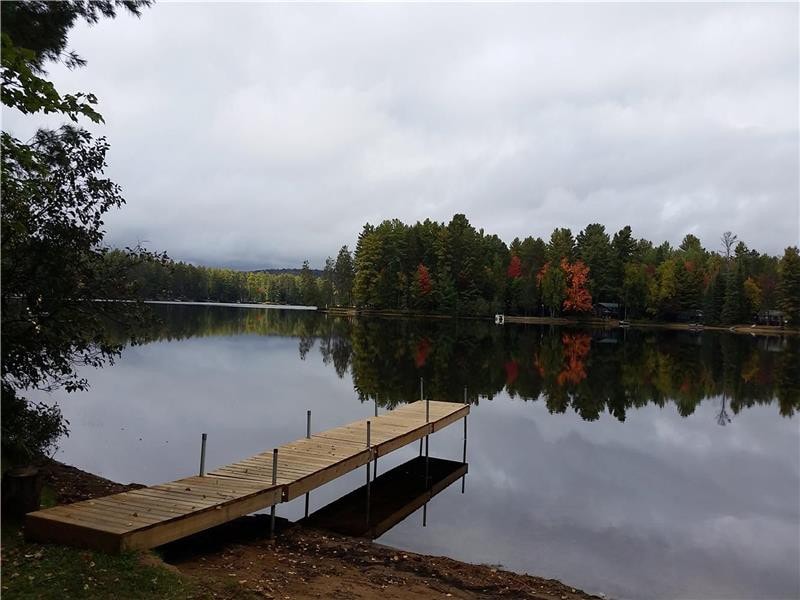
(155, 515)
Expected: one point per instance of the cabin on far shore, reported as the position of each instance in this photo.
(771, 317)
(607, 310)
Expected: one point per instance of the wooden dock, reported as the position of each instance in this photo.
(163, 513)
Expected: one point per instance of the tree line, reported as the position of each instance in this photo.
(457, 270)
(589, 371)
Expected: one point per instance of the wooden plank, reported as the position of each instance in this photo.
(155, 515)
(44, 529)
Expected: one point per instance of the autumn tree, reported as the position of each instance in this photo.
(422, 288)
(578, 298)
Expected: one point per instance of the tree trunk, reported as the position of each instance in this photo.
(22, 491)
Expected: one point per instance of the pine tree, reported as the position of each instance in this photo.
(594, 249)
(343, 275)
(789, 285)
(308, 286)
(715, 298)
(733, 309)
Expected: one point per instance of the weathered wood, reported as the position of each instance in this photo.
(162, 513)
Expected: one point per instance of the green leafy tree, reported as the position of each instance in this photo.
(752, 295)
(553, 282)
(53, 202)
(634, 288)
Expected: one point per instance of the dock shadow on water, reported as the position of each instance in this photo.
(393, 497)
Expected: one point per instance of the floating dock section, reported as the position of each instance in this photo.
(155, 515)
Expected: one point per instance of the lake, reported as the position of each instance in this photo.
(635, 463)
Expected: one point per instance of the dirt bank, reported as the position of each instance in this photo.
(239, 561)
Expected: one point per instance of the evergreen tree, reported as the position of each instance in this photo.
(325, 283)
(715, 299)
(343, 275)
(789, 285)
(562, 245)
(308, 286)
(595, 250)
(366, 264)
(734, 307)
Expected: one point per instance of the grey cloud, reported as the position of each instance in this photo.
(262, 134)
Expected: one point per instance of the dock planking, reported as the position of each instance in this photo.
(162, 513)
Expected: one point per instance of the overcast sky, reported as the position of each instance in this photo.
(256, 135)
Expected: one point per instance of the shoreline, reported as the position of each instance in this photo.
(237, 560)
(766, 330)
(592, 322)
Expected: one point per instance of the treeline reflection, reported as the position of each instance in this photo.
(587, 371)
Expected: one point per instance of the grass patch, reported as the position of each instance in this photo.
(50, 571)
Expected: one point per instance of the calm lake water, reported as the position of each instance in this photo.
(636, 464)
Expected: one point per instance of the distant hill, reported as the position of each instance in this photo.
(314, 272)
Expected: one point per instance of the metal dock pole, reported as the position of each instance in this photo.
(464, 456)
(375, 462)
(427, 421)
(203, 454)
(369, 447)
(274, 483)
(308, 437)
(421, 398)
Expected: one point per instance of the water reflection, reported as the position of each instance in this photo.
(586, 371)
(595, 456)
(393, 496)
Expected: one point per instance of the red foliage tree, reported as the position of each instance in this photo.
(421, 352)
(515, 267)
(424, 278)
(578, 297)
(512, 371)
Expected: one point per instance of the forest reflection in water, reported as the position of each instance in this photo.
(598, 461)
(588, 371)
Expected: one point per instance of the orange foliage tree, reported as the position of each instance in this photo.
(515, 267)
(578, 297)
(576, 349)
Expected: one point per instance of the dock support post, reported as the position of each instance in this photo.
(369, 447)
(427, 420)
(375, 462)
(425, 515)
(274, 483)
(464, 455)
(203, 454)
(308, 437)
(421, 398)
